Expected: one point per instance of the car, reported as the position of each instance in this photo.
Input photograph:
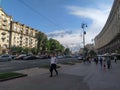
(5, 57)
(30, 57)
(60, 57)
(80, 58)
(68, 56)
(44, 57)
(20, 57)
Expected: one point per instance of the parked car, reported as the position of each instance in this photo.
(30, 57)
(68, 56)
(5, 57)
(80, 58)
(44, 57)
(13, 56)
(20, 57)
(60, 57)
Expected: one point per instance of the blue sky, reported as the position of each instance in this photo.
(61, 19)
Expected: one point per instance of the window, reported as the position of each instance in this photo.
(5, 20)
(27, 31)
(3, 33)
(3, 39)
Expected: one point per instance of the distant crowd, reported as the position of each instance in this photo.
(105, 62)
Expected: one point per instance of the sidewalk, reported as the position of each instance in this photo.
(71, 77)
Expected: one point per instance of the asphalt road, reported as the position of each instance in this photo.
(25, 64)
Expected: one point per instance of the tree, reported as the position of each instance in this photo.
(67, 51)
(40, 38)
(55, 46)
(34, 50)
(44, 45)
(92, 53)
(16, 50)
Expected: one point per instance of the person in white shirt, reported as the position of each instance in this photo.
(53, 64)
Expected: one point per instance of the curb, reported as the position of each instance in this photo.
(1, 80)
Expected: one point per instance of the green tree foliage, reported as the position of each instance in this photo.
(20, 50)
(55, 46)
(16, 50)
(67, 51)
(42, 39)
(92, 53)
(34, 50)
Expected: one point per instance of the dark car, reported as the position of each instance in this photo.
(30, 57)
(44, 57)
(20, 57)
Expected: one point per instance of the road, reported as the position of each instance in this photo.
(25, 64)
(81, 76)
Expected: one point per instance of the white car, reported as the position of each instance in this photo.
(5, 57)
(80, 58)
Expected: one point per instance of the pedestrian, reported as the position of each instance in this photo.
(101, 62)
(108, 62)
(104, 64)
(53, 64)
(96, 60)
(115, 59)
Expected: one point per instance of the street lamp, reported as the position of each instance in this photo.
(83, 25)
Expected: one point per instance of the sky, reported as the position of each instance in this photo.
(61, 19)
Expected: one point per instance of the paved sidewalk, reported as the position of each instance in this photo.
(71, 77)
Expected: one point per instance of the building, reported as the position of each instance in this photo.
(5, 21)
(108, 40)
(23, 36)
(90, 46)
(14, 34)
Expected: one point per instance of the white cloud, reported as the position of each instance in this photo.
(98, 16)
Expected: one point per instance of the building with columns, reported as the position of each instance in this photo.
(108, 40)
(14, 34)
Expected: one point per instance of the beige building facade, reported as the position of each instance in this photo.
(108, 40)
(5, 21)
(23, 36)
(15, 34)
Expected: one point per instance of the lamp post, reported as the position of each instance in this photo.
(83, 25)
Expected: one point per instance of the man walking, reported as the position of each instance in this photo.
(53, 64)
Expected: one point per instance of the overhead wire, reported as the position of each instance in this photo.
(43, 16)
